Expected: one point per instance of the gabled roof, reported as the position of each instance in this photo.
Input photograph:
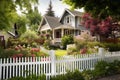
(75, 13)
(51, 21)
(71, 12)
(12, 34)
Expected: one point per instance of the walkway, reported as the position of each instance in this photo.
(115, 77)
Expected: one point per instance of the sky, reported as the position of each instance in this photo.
(58, 7)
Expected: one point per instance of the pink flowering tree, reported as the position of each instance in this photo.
(101, 28)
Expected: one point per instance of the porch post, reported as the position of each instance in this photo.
(53, 34)
(62, 33)
(74, 32)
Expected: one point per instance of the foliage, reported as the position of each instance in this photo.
(107, 7)
(30, 77)
(47, 44)
(76, 75)
(34, 18)
(21, 51)
(112, 46)
(8, 10)
(80, 44)
(29, 36)
(21, 22)
(85, 36)
(88, 74)
(50, 12)
(101, 69)
(103, 28)
(67, 39)
(4, 53)
(72, 50)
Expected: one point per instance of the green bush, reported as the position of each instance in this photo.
(8, 53)
(101, 69)
(29, 36)
(88, 74)
(72, 50)
(112, 47)
(76, 75)
(68, 39)
(31, 77)
(47, 44)
(114, 68)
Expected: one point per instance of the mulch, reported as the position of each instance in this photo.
(114, 77)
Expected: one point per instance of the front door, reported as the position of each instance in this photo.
(58, 34)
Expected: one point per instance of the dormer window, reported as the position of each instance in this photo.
(67, 19)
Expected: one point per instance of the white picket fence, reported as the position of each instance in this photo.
(16, 67)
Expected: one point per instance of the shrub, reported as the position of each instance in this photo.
(29, 36)
(31, 77)
(76, 75)
(114, 68)
(11, 42)
(80, 44)
(47, 44)
(101, 69)
(8, 53)
(71, 50)
(112, 47)
(88, 74)
(68, 39)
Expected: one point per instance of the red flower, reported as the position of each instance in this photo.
(83, 51)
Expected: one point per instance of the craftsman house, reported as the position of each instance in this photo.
(68, 24)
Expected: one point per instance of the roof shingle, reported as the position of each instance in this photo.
(53, 21)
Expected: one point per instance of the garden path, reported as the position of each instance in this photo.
(114, 77)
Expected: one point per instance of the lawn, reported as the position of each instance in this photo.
(60, 52)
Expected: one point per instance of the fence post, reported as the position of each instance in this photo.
(101, 52)
(0, 69)
(53, 64)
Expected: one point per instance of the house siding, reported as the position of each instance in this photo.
(72, 19)
(45, 27)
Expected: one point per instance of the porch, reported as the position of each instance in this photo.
(63, 30)
(58, 32)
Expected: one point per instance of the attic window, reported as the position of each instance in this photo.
(67, 19)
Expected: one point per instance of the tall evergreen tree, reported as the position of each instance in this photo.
(49, 11)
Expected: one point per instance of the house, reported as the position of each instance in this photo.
(68, 24)
(5, 35)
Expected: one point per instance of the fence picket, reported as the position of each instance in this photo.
(24, 66)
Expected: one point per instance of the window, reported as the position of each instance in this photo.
(67, 19)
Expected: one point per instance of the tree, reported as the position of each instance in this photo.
(34, 18)
(103, 28)
(8, 10)
(21, 24)
(50, 12)
(98, 8)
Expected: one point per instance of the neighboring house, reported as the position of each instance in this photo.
(5, 35)
(68, 24)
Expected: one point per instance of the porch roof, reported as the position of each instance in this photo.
(64, 27)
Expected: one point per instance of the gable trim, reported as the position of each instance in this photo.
(64, 13)
(44, 18)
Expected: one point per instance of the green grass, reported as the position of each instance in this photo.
(60, 52)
